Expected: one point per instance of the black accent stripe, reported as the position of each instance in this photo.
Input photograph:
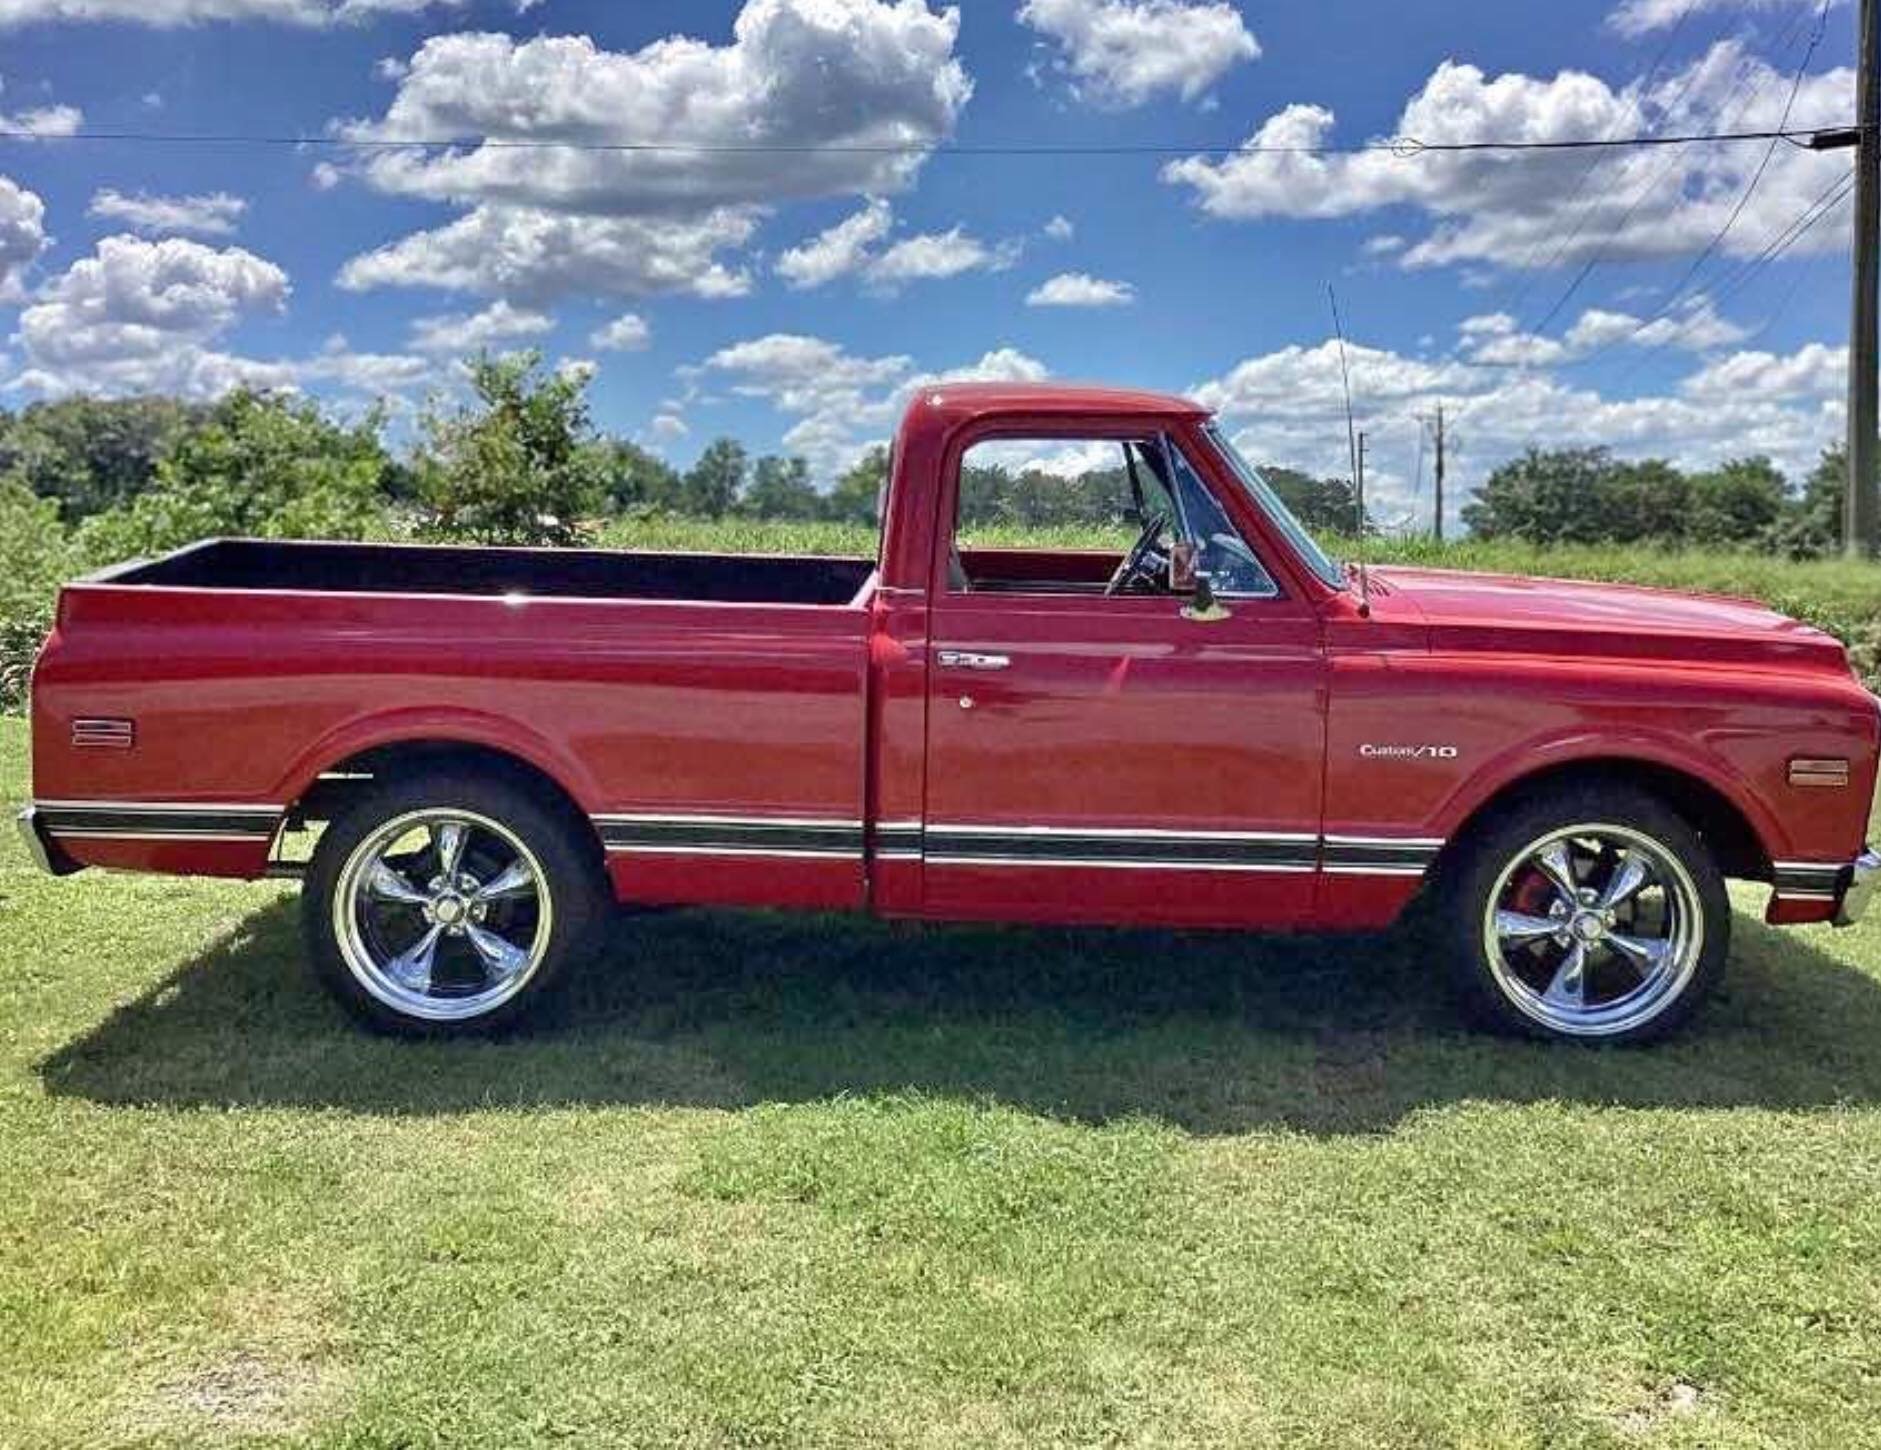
(128, 820)
(768, 838)
(1173, 851)
(1393, 855)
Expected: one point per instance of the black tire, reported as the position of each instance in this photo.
(569, 888)
(1514, 991)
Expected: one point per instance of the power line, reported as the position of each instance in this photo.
(1678, 291)
(1600, 255)
(1735, 282)
(1404, 147)
(1587, 172)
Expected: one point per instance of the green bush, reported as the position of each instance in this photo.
(518, 465)
(259, 465)
(36, 556)
(92, 454)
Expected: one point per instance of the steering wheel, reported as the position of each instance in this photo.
(1134, 565)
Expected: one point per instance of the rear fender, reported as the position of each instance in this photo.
(438, 726)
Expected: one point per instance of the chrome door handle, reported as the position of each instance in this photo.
(955, 659)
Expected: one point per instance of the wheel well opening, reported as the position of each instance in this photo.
(342, 782)
(1708, 811)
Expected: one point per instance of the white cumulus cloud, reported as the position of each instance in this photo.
(41, 120)
(853, 247)
(139, 316)
(939, 254)
(1552, 208)
(1634, 18)
(1693, 325)
(212, 215)
(842, 403)
(534, 255)
(810, 98)
(22, 236)
(171, 13)
(1080, 289)
(1288, 407)
(627, 333)
(1121, 53)
(461, 334)
(842, 249)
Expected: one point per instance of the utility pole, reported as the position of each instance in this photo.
(1358, 485)
(1861, 504)
(1437, 516)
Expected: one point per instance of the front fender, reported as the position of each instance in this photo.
(1531, 759)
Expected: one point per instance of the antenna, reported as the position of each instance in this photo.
(1357, 457)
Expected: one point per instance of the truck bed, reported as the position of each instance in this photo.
(542, 573)
(182, 707)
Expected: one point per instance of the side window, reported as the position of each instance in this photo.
(1093, 515)
(1033, 493)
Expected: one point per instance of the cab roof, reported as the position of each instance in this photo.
(966, 399)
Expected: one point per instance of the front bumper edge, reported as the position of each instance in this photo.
(1864, 880)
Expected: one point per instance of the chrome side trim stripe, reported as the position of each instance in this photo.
(184, 807)
(1118, 833)
(720, 836)
(639, 818)
(967, 844)
(1120, 863)
(1121, 848)
(145, 821)
(1379, 856)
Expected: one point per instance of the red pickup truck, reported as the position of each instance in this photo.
(1217, 727)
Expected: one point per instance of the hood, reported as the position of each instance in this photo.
(1567, 616)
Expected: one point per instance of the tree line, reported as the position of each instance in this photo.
(1587, 496)
(519, 460)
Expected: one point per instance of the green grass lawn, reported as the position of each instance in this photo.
(769, 1181)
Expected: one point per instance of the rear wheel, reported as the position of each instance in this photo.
(448, 904)
(1593, 914)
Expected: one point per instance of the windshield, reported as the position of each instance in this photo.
(1270, 504)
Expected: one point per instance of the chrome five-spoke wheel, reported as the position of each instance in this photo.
(1588, 911)
(442, 914)
(1593, 929)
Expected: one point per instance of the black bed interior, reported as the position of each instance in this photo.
(569, 573)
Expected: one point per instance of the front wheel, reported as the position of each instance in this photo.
(1592, 914)
(448, 903)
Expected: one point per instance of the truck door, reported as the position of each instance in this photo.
(1100, 748)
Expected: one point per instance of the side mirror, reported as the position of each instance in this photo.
(1204, 607)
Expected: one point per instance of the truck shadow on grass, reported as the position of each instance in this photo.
(1212, 1033)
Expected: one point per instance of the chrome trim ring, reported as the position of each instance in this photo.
(442, 914)
(1593, 929)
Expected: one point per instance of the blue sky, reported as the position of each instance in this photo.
(793, 299)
